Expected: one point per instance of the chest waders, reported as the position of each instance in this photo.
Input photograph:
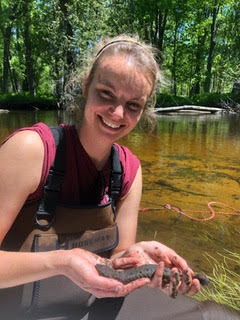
(49, 225)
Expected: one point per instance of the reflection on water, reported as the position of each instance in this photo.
(188, 161)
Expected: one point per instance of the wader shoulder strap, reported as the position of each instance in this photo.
(116, 177)
(47, 209)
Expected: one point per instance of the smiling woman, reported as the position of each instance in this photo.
(136, 53)
(70, 195)
(115, 100)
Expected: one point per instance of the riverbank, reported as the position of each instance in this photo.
(25, 101)
(227, 102)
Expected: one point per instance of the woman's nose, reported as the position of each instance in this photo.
(118, 111)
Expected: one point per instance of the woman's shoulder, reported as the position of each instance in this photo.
(30, 141)
(22, 156)
(28, 134)
(33, 146)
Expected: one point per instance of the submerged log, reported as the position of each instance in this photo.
(190, 108)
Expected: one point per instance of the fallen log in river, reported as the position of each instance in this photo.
(189, 108)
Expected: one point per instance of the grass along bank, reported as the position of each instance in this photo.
(224, 287)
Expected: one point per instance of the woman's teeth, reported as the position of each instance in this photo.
(111, 125)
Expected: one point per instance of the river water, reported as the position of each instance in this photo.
(188, 162)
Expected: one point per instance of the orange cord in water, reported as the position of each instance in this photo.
(236, 212)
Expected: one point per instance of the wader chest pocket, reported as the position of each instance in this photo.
(60, 293)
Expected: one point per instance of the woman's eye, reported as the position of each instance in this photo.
(105, 94)
(134, 107)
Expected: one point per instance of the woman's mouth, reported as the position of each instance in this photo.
(109, 124)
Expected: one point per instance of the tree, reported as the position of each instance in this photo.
(43, 41)
(214, 14)
(29, 62)
(8, 14)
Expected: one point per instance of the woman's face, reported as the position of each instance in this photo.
(115, 98)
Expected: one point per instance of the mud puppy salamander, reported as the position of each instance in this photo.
(144, 271)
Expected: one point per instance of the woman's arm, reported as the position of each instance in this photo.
(127, 214)
(21, 161)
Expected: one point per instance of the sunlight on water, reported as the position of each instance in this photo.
(188, 161)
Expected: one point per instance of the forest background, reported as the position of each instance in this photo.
(42, 42)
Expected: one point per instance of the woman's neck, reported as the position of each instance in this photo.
(98, 152)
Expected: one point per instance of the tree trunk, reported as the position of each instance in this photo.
(174, 62)
(207, 83)
(162, 27)
(198, 67)
(69, 52)
(6, 55)
(29, 59)
(157, 21)
(132, 9)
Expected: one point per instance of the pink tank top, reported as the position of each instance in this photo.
(83, 183)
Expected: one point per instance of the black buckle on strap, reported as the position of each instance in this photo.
(116, 178)
(46, 212)
(44, 220)
(116, 184)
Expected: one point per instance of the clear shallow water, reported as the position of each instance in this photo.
(188, 161)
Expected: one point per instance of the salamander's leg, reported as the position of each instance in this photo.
(175, 284)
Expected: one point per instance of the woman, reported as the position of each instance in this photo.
(118, 89)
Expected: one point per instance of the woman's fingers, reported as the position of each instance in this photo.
(186, 281)
(119, 290)
(167, 280)
(174, 283)
(131, 286)
(157, 280)
(175, 277)
(125, 262)
(195, 288)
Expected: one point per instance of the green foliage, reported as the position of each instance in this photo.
(224, 285)
(61, 34)
(215, 99)
(167, 100)
(26, 101)
(204, 99)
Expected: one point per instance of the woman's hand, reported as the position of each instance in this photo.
(153, 252)
(81, 270)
